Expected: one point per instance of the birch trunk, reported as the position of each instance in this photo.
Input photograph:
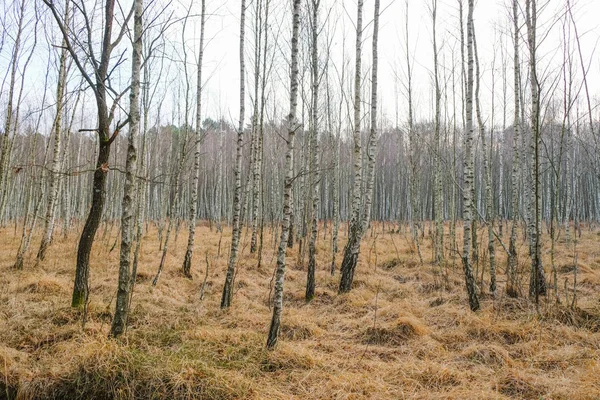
(336, 181)
(438, 194)
(314, 161)
(129, 206)
(372, 145)
(413, 199)
(486, 172)
(468, 170)
(538, 286)
(29, 222)
(235, 235)
(352, 248)
(511, 286)
(6, 143)
(287, 192)
(187, 260)
(56, 133)
(257, 167)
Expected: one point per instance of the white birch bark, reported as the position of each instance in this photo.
(187, 260)
(352, 247)
(314, 159)
(57, 134)
(129, 206)
(468, 206)
(287, 192)
(235, 235)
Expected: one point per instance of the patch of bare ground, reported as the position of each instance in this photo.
(404, 332)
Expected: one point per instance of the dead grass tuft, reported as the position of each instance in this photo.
(296, 332)
(488, 355)
(435, 377)
(286, 359)
(517, 387)
(405, 328)
(46, 285)
(390, 264)
(121, 372)
(576, 317)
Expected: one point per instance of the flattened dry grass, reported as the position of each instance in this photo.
(404, 331)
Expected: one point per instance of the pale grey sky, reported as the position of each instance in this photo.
(221, 62)
(491, 19)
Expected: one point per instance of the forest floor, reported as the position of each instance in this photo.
(404, 331)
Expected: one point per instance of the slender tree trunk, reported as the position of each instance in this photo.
(372, 145)
(261, 151)
(438, 194)
(486, 172)
(336, 181)
(511, 286)
(314, 161)
(412, 157)
(235, 235)
(187, 260)
(352, 248)
(35, 187)
(56, 130)
(256, 167)
(539, 279)
(468, 205)
(287, 191)
(129, 205)
(6, 142)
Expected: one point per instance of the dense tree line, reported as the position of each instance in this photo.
(332, 154)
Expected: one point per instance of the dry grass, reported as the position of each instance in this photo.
(404, 331)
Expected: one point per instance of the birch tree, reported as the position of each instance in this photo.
(100, 84)
(236, 230)
(437, 194)
(56, 133)
(289, 178)
(187, 260)
(511, 286)
(372, 143)
(468, 206)
(412, 157)
(538, 281)
(352, 248)
(314, 139)
(129, 206)
(486, 169)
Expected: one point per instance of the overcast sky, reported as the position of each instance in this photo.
(491, 19)
(221, 59)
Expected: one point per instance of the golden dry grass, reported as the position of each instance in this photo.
(404, 331)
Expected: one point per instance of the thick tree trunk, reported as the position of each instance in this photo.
(82, 268)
